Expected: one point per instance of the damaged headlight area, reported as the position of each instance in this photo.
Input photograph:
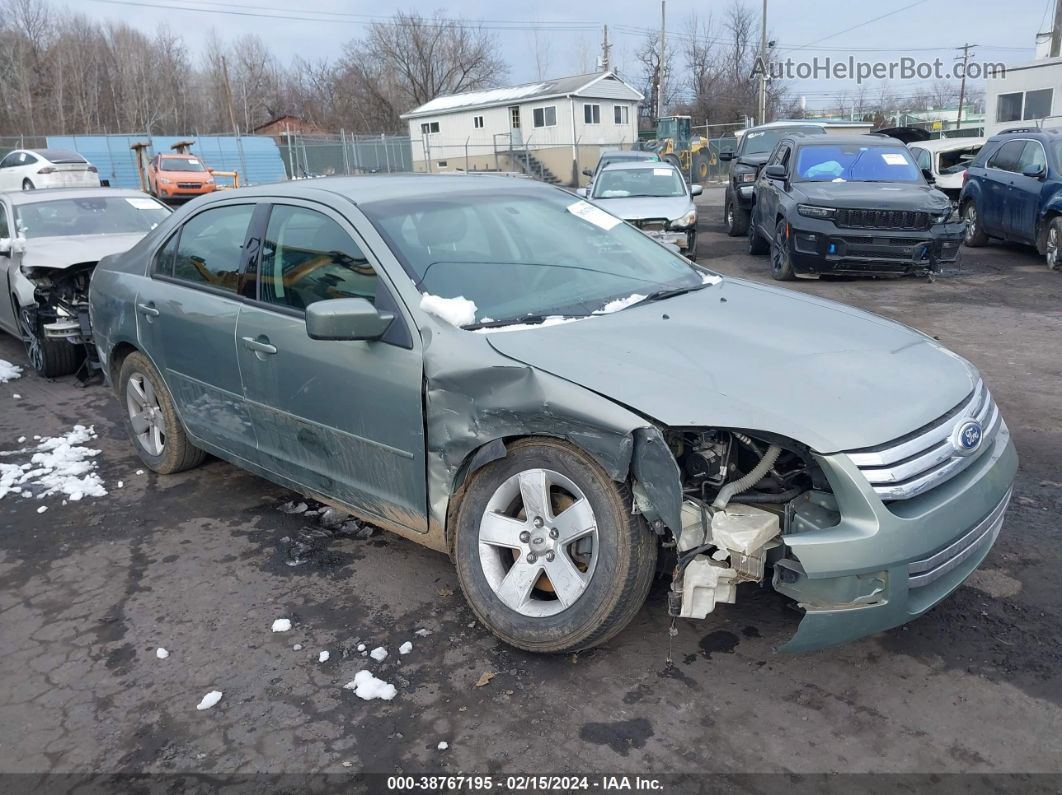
(61, 310)
(740, 495)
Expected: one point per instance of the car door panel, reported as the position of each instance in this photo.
(343, 418)
(998, 180)
(188, 328)
(1023, 198)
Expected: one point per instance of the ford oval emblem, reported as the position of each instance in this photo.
(967, 436)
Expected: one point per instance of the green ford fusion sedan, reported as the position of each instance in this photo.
(498, 370)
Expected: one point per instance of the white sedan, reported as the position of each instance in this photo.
(26, 169)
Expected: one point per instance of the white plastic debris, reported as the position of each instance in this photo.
(443, 745)
(42, 509)
(9, 372)
(368, 687)
(457, 311)
(322, 657)
(209, 700)
(405, 648)
(379, 654)
(282, 625)
(161, 653)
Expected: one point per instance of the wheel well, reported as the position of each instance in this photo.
(118, 354)
(1041, 234)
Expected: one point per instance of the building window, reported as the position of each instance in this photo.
(477, 122)
(442, 164)
(514, 116)
(1038, 104)
(592, 114)
(429, 127)
(1026, 105)
(622, 114)
(545, 117)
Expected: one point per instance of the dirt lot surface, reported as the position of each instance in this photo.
(203, 563)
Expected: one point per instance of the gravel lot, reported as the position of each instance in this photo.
(199, 563)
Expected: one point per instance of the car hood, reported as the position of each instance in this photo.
(185, 176)
(874, 195)
(62, 252)
(638, 207)
(742, 355)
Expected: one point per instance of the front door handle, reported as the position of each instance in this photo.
(259, 345)
(148, 310)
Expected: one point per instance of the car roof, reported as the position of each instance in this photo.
(55, 155)
(631, 154)
(639, 165)
(942, 144)
(372, 188)
(1025, 132)
(45, 194)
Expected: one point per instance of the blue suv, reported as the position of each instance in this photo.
(1013, 191)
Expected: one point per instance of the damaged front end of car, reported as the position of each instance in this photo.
(59, 311)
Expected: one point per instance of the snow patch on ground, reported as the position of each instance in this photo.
(422, 633)
(161, 653)
(209, 700)
(368, 687)
(405, 648)
(58, 465)
(361, 647)
(457, 311)
(379, 654)
(619, 303)
(9, 372)
(443, 745)
(322, 657)
(282, 625)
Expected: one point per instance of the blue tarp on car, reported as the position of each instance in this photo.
(116, 162)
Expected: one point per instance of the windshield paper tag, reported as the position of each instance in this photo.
(594, 215)
(894, 159)
(662, 172)
(143, 204)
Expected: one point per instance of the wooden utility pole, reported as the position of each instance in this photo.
(1056, 31)
(605, 59)
(663, 60)
(962, 85)
(763, 65)
(232, 115)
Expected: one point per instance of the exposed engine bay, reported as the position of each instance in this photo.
(738, 498)
(61, 309)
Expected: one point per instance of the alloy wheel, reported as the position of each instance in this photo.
(538, 542)
(34, 346)
(1052, 248)
(970, 221)
(145, 414)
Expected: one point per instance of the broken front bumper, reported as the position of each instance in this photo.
(818, 247)
(673, 238)
(881, 565)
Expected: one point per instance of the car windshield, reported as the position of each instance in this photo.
(526, 255)
(96, 215)
(855, 163)
(181, 164)
(758, 142)
(658, 182)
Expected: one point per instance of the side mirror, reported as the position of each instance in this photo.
(696, 190)
(587, 172)
(346, 319)
(1037, 172)
(584, 192)
(724, 156)
(929, 176)
(775, 171)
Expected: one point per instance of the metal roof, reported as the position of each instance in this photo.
(582, 85)
(116, 162)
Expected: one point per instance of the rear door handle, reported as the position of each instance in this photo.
(258, 346)
(147, 309)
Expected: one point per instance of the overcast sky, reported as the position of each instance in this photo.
(565, 32)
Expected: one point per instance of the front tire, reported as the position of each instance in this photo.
(736, 217)
(549, 554)
(781, 260)
(151, 419)
(49, 358)
(974, 235)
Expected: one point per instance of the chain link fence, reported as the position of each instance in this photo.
(319, 155)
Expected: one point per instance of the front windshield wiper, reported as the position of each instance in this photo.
(671, 292)
(528, 320)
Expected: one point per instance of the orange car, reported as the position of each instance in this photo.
(179, 177)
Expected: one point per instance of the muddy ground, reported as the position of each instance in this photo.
(201, 564)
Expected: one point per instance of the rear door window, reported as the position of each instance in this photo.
(211, 247)
(1033, 157)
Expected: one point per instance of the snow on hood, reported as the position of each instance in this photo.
(62, 252)
(456, 311)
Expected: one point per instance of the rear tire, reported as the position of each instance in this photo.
(736, 217)
(1053, 244)
(151, 419)
(589, 589)
(27, 184)
(49, 358)
(974, 235)
(781, 261)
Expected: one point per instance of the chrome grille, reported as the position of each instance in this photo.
(917, 462)
(979, 539)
